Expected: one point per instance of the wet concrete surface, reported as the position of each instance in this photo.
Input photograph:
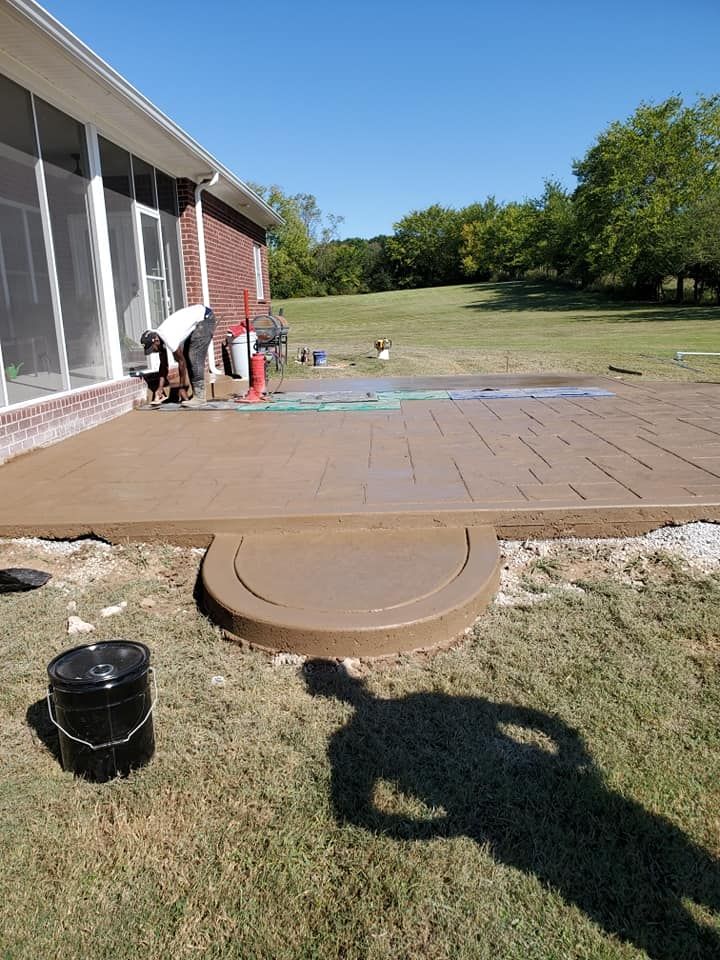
(350, 593)
(648, 455)
(459, 382)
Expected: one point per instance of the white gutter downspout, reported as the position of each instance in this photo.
(202, 185)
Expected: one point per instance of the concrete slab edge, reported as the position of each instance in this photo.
(527, 523)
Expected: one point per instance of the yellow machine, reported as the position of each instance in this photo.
(383, 348)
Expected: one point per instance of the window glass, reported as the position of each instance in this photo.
(144, 182)
(167, 204)
(151, 245)
(167, 194)
(30, 353)
(115, 167)
(117, 184)
(154, 275)
(257, 260)
(65, 163)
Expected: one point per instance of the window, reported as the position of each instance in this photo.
(257, 260)
(142, 213)
(129, 300)
(144, 177)
(168, 207)
(29, 341)
(154, 262)
(52, 335)
(65, 165)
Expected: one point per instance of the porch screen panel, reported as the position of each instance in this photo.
(168, 207)
(118, 190)
(144, 183)
(31, 358)
(65, 162)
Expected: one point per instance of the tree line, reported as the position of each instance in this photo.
(646, 208)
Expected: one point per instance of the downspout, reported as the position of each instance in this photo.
(202, 185)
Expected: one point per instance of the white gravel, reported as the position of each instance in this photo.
(61, 548)
(696, 546)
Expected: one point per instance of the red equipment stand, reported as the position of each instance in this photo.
(256, 364)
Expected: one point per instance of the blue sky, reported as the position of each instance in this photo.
(379, 108)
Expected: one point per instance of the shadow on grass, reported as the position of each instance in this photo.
(528, 297)
(522, 782)
(38, 718)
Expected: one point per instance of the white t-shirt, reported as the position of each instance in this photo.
(179, 325)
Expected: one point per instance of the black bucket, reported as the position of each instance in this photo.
(100, 700)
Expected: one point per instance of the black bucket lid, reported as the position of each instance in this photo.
(98, 665)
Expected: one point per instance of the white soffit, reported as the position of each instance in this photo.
(38, 52)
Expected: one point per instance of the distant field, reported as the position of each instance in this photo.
(495, 327)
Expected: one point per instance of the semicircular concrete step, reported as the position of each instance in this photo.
(350, 593)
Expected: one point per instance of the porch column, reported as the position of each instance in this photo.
(103, 261)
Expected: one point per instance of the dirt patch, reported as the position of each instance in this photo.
(79, 565)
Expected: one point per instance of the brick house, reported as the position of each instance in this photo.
(111, 217)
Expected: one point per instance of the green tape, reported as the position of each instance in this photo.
(367, 407)
(292, 407)
(413, 395)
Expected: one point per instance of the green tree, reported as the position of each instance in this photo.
(637, 184)
(474, 252)
(291, 247)
(501, 243)
(702, 228)
(425, 249)
(554, 250)
(339, 266)
(377, 269)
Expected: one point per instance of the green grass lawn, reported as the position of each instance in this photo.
(548, 790)
(494, 327)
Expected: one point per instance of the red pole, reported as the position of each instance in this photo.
(246, 299)
(256, 364)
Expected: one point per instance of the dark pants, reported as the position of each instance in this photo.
(195, 351)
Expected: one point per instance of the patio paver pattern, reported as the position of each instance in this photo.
(509, 461)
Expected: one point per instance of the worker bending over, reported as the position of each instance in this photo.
(187, 334)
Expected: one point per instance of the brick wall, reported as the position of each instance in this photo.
(46, 422)
(229, 240)
(189, 240)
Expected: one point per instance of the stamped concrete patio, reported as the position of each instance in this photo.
(370, 532)
(621, 464)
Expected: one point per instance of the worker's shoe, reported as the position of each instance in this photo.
(197, 399)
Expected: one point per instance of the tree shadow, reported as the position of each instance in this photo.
(523, 296)
(522, 782)
(38, 718)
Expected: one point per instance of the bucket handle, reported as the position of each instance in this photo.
(110, 743)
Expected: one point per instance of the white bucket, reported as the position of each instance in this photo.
(238, 352)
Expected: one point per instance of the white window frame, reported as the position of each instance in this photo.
(50, 254)
(259, 282)
(140, 210)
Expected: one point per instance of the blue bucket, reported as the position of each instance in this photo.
(319, 358)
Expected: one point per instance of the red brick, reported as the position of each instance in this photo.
(47, 421)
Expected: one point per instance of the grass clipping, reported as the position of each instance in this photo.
(548, 789)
